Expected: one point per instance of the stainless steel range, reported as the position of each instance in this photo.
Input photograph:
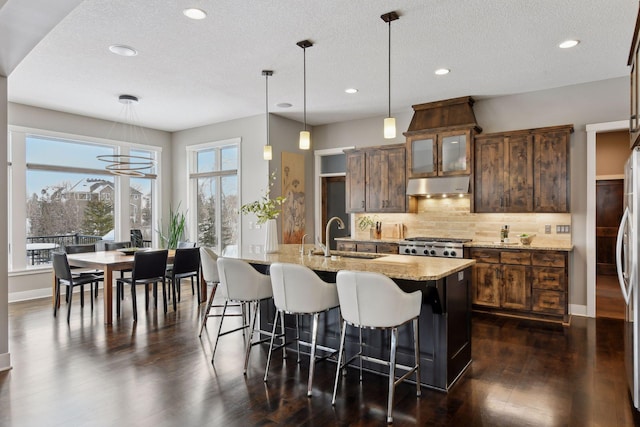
(433, 246)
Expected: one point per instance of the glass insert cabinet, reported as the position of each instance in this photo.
(438, 154)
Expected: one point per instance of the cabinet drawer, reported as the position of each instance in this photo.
(519, 258)
(548, 302)
(387, 248)
(548, 259)
(486, 255)
(366, 247)
(346, 246)
(549, 278)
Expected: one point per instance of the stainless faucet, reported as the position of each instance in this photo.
(302, 244)
(327, 251)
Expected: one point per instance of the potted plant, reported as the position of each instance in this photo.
(267, 210)
(370, 223)
(175, 230)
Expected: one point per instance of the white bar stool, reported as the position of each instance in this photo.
(374, 301)
(243, 284)
(298, 290)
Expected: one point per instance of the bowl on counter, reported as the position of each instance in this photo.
(526, 238)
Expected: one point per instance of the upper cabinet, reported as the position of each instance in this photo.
(375, 179)
(523, 171)
(440, 138)
(439, 154)
(634, 62)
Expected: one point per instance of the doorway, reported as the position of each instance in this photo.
(609, 209)
(334, 204)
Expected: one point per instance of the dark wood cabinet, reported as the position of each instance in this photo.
(522, 171)
(368, 247)
(375, 180)
(529, 283)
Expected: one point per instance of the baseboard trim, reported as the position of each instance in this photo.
(5, 362)
(578, 310)
(29, 295)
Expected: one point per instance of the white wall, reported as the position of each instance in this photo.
(582, 104)
(5, 360)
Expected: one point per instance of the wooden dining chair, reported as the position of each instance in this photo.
(148, 268)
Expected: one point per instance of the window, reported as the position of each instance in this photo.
(141, 191)
(214, 184)
(63, 195)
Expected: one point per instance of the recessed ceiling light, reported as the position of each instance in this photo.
(351, 90)
(194, 13)
(568, 43)
(122, 50)
(442, 71)
(283, 105)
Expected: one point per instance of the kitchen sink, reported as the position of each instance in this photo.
(346, 254)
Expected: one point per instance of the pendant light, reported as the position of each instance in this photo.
(267, 153)
(305, 135)
(126, 164)
(389, 122)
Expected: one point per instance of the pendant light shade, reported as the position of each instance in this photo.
(267, 153)
(389, 122)
(305, 136)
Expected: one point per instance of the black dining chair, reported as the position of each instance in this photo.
(79, 271)
(114, 246)
(136, 238)
(186, 263)
(148, 268)
(64, 277)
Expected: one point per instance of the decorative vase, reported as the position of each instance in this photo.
(271, 237)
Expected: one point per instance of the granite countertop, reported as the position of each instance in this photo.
(393, 266)
(535, 245)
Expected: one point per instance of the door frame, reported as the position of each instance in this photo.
(318, 154)
(590, 232)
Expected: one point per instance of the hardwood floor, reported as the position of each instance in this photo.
(609, 300)
(158, 373)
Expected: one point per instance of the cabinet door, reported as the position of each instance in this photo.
(516, 287)
(376, 177)
(486, 284)
(519, 174)
(355, 182)
(395, 181)
(422, 159)
(551, 171)
(488, 190)
(454, 153)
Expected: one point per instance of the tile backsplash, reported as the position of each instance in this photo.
(451, 217)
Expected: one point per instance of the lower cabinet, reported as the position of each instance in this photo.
(530, 283)
(370, 247)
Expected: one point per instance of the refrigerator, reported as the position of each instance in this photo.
(627, 268)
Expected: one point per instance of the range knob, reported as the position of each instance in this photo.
(426, 252)
(432, 252)
(407, 250)
(413, 251)
(445, 253)
(453, 253)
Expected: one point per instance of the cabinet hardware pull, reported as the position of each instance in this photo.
(363, 203)
(501, 202)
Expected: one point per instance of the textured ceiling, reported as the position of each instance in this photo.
(191, 73)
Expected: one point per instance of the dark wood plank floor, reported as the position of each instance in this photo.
(609, 299)
(158, 373)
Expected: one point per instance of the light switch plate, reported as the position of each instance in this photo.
(547, 229)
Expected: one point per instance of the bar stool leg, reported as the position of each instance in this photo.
(298, 336)
(392, 372)
(208, 309)
(284, 336)
(273, 337)
(340, 356)
(312, 359)
(253, 325)
(360, 352)
(416, 345)
(215, 346)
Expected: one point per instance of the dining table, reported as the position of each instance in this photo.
(108, 262)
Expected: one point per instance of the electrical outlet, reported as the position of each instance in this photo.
(563, 229)
(547, 229)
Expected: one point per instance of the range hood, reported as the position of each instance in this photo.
(440, 185)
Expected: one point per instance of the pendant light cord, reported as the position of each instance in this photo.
(304, 84)
(389, 110)
(266, 102)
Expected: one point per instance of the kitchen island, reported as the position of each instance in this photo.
(445, 319)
